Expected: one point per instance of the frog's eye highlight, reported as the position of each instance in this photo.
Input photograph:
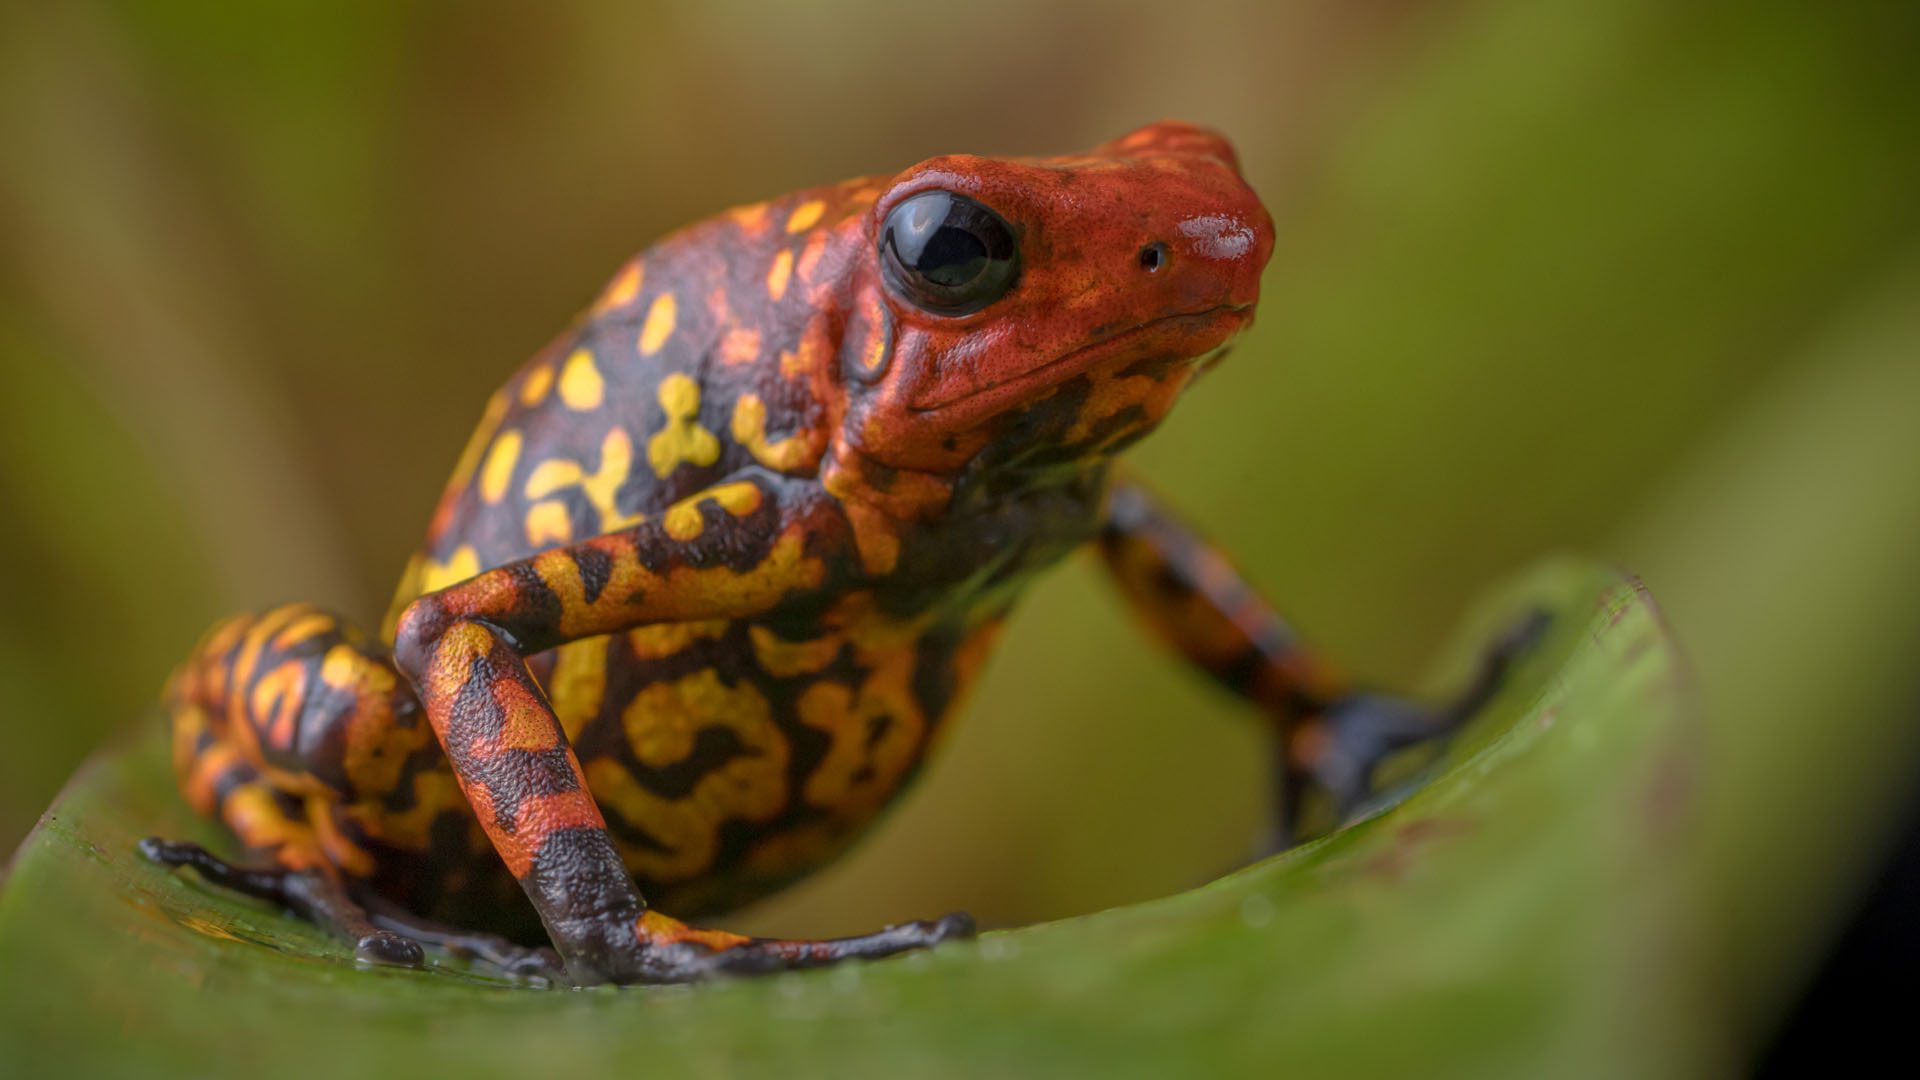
(947, 253)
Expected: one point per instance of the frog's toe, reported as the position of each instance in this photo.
(1336, 751)
(390, 949)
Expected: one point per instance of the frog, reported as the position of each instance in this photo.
(719, 563)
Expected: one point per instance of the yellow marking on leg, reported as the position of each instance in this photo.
(805, 215)
(777, 276)
(525, 722)
(341, 851)
(667, 930)
(252, 812)
(581, 386)
(622, 289)
(793, 453)
(683, 522)
(188, 721)
(276, 702)
(659, 325)
(310, 625)
(534, 390)
(662, 724)
(740, 347)
(600, 486)
(198, 772)
(549, 523)
(434, 793)
(578, 684)
(682, 440)
(251, 646)
(377, 746)
(785, 659)
(497, 473)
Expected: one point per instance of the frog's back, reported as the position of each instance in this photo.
(701, 358)
(729, 757)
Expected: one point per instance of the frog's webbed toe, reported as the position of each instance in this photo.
(491, 949)
(654, 948)
(314, 895)
(380, 931)
(1336, 750)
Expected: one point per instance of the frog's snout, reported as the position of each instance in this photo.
(1210, 253)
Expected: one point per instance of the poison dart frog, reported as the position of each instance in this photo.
(718, 563)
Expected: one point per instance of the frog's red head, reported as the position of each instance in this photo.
(1051, 306)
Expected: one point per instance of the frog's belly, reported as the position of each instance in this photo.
(730, 761)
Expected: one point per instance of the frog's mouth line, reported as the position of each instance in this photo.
(1087, 355)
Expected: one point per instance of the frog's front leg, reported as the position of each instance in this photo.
(1331, 735)
(733, 551)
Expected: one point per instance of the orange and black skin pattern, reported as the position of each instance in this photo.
(718, 563)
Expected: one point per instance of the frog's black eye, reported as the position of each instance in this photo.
(947, 253)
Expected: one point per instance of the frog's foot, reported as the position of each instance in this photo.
(491, 949)
(380, 931)
(313, 895)
(1336, 751)
(654, 948)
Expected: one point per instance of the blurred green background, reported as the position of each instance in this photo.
(1634, 278)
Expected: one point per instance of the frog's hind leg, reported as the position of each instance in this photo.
(314, 894)
(277, 718)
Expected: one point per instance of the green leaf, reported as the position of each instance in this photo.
(1523, 912)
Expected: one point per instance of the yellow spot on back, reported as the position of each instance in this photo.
(624, 287)
(805, 215)
(683, 440)
(740, 347)
(750, 430)
(777, 277)
(549, 523)
(498, 471)
(810, 256)
(616, 464)
(785, 659)
(665, 639)
(496, 410)
(659, 325)
(751, 218)
(578, 683)
(581, 386)
(539, 381)
(458, 567)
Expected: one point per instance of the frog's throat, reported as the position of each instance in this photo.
(1069, 364)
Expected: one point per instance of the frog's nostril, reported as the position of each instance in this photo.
(1153, 257)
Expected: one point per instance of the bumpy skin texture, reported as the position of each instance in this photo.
(717, 564)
